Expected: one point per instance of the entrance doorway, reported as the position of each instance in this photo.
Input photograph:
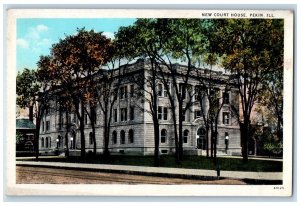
(201, 140)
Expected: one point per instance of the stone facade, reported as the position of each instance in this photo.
(131, 130)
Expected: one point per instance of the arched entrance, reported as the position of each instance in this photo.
(200, 138)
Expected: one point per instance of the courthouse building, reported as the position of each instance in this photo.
(131, 131)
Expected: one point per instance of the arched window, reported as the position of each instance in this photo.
(91, 140)
(131, 136)
(163, 135)
(43, 142)
(114, 137)
(185, 136)
(201, 141)
(47, 143)
(122, 137)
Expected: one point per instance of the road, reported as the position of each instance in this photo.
(39, 175)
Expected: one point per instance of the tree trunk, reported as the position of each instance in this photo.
(36, 138)
(66, 136)
(106, 136)
(244, 138)
(175, 134)
(82, 137)
(279, 132)
(211, 141)
(94, 140)
(180, 142)
(207, 139)
(215, 141)
(39, 116)
(93, 122)
(156, 142)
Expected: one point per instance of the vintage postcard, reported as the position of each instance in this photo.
(149, 102)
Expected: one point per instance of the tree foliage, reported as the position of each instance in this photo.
(248, 46)
(74, 62)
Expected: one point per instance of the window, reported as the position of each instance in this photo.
(114, 137)
(43, 126)
(122, 137)
(130, 136)
(47, 125)
(47, 143)
(91, 140)
(163, 136)
(197, 114)
(115, 115)
(132, 113)
(123, 114)
(182, 91)
(162, 113)
(201, 140)
(43, 142)
(196, 95)
(225, 117)
(131, 90)
(123, 92)
(165, 113)
(115, 94)
(159, 113)
(185, 136)
(160, 90)
(226, 97)
(165, 92)
(184, 116)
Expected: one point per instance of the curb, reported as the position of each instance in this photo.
(118, 171)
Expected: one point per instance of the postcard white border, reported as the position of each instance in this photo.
(143, 190)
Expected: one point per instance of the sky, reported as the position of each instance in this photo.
(35, 36)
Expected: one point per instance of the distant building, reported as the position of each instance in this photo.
(25, 135)
(131, 129)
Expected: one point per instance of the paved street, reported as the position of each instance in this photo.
(38, 175)
(159, 171)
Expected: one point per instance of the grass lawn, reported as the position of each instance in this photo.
(191, 162)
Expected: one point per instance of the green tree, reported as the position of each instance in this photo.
(154, 39)
(272, 97)
(208, 89)
(191, 43)
(247, 46)
(74, 62)
(31, 89)
(139, 41)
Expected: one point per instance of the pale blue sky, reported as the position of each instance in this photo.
(35, 36)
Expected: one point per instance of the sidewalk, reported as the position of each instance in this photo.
(161, 171)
